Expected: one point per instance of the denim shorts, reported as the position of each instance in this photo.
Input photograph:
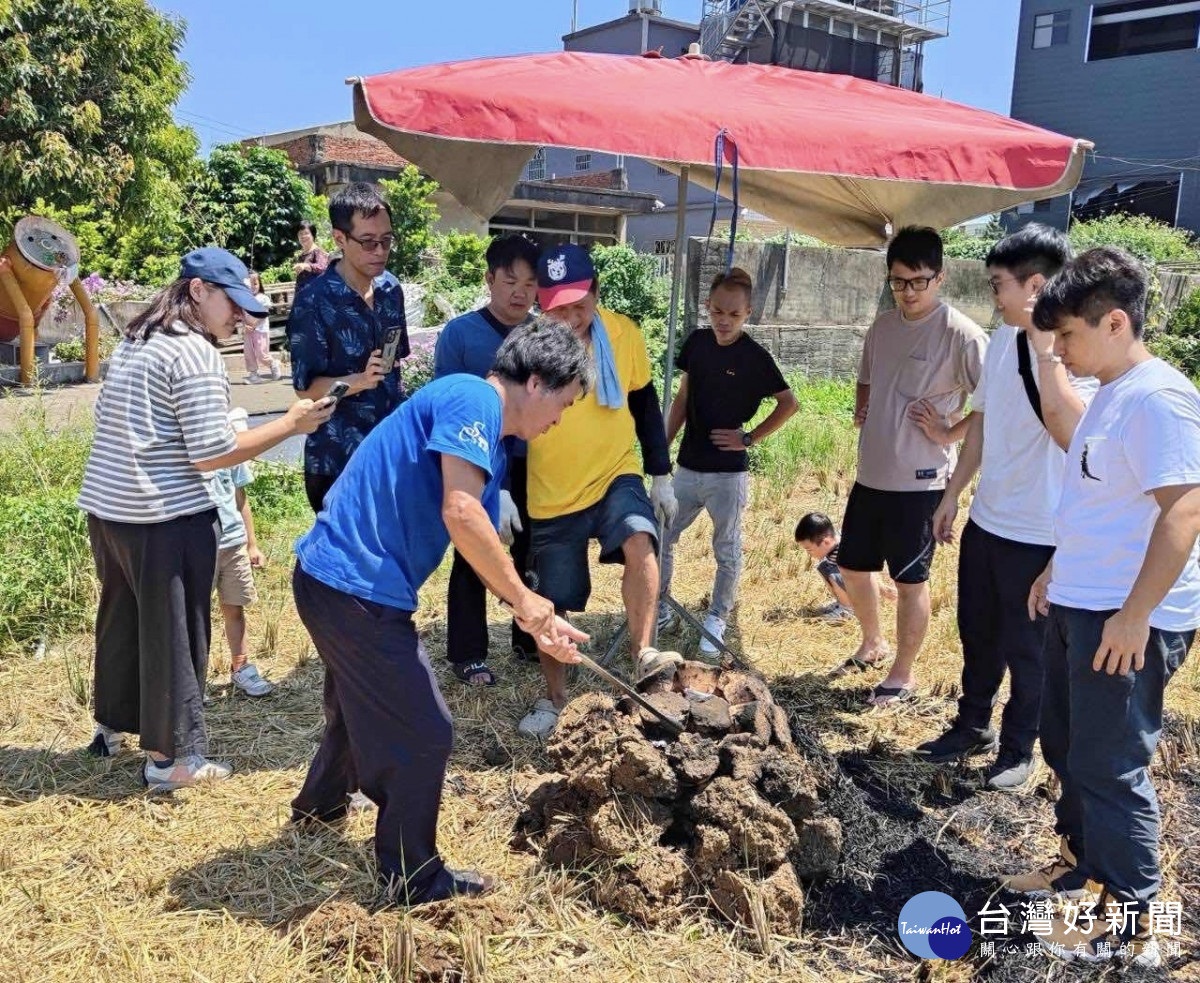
(558, 551)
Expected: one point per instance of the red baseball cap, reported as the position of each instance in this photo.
(565, 276)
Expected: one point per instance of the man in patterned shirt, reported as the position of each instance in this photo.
(336, 333)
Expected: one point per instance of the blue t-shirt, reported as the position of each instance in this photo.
(332, 332)
(469, 344)
(225, 483)
(381, 534)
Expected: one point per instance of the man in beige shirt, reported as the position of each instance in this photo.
(920, 362)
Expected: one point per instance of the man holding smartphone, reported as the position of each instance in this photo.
(338, 330)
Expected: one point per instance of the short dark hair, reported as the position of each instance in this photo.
(1092, 284)
(306, 224)
(814, 526)
(361, 198)
(735, 279)
(916, 246)
(507, 251)
(547, 349)
(1033, 249)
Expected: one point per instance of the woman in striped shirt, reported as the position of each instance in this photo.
(161, 427)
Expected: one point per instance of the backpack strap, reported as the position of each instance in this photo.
(1025, 368)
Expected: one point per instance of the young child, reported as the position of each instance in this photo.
(237, 556)
(726, 375)
(256, 339)
(816, 533)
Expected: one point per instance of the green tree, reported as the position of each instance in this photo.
(463, 255)
(249, 200)
(630, 284)
(414, 213)
(86, 91)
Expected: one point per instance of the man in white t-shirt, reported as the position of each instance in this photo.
(920, 361)
(1123, 599)
(1018, 451)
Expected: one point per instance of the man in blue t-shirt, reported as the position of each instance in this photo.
(427, 476)
(469, 344)
(337, 331)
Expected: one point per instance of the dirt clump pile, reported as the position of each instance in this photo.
(727, 813)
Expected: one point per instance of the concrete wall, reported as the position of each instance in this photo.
(816, 323)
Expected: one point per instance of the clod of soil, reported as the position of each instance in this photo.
(726, 814)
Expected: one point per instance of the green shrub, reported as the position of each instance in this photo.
(279, 273)
(72, 350)
(1148, 239)
(1185, 319)
(1182, 352)
(462, 256)
(630, 284)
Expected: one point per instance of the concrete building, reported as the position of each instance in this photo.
(1124, 75)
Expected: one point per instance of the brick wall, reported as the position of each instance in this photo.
(613, 180)
(316, 148)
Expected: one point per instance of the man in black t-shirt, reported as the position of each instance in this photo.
(726, 375)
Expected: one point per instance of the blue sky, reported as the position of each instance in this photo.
(261, 66)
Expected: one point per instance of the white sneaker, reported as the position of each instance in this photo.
(106, 742)
(184, 772)
(714, 626)
(667, 618)
(250, 682)
(540, 721)
(276, 370)
(254, 379)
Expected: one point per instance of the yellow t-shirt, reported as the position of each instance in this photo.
(572, 465)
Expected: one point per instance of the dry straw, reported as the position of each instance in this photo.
(100, 881)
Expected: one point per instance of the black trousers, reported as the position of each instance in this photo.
(316, 486)
(1099, 733)
(387, 731)
(153, 628)
(466, 597)
(994, 577)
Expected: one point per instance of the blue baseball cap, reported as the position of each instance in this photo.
(222, 269)
(565, 275)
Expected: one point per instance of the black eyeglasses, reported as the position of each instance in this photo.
(919, 283)
(374, 245)
(997, 281)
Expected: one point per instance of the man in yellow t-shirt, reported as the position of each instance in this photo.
(585, 480)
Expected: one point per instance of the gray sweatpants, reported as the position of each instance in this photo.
(723, 496)
(1098, 734)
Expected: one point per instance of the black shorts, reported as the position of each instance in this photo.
(892, 527)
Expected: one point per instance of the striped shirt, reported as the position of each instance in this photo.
(162, 410)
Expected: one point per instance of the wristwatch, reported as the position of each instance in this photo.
(747, 439)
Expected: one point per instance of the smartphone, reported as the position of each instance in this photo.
(391, 344)
(338, 390)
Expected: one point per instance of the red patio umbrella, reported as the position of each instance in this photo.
(842, 159)
(837, 157)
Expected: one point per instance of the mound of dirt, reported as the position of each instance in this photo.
(727, 812)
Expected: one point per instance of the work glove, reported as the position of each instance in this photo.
(510, 519)
(662, 497)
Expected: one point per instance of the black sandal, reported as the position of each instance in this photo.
(464, 672)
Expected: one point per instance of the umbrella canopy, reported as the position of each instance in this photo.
(842, 159)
